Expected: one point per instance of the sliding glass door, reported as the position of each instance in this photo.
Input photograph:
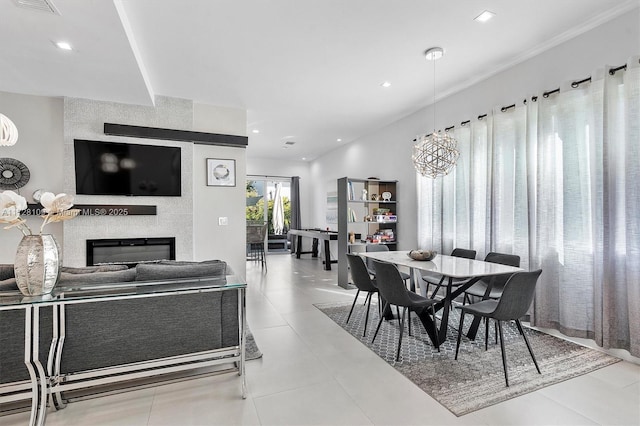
(268, 201)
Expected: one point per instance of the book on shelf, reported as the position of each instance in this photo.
(351, 215)
(350, 191)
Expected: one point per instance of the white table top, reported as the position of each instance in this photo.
(450, 266)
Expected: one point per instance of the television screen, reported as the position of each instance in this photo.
(112, 168)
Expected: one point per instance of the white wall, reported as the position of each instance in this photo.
(39, 122)
(212, 241)
(386, 153)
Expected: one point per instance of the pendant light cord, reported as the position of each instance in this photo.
(434, 96)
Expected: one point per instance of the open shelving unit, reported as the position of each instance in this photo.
(363, 212)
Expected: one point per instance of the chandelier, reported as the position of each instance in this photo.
(435, 154)
(8, 131)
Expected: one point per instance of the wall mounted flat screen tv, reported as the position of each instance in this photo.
(113, 168)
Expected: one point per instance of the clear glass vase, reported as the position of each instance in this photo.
(37, 264)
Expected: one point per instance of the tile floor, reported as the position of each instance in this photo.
(315, 373)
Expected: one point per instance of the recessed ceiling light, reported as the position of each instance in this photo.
(385, 84)
(339, 140)
(304, 158)
(63, 45)
(484, 16)
(256, 131)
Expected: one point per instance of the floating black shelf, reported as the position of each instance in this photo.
(175, 135)
(100, 210)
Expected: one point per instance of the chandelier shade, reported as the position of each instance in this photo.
(435, 154)
(8, 131)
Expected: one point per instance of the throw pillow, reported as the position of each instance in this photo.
(147, 272)
(67, 278)
(192, 262)
(93, 269)
(8, 285)
(6, 271)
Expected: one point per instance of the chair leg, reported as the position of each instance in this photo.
(379, 323)
(526, 340)
(435, 328)
(409, 319)
(353, 305)
(495, 329)
(366, 318)
(366, 298)
(486, 334)
(459, 333)
(504, 355)
(404, 311)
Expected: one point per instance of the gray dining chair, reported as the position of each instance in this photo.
(513, 304)
(256, 233)
(439, 280)
(394, 292)
(492, 287)
(371, 267)
(363, 282)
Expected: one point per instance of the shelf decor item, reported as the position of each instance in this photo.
(435, 154)
(38, 256)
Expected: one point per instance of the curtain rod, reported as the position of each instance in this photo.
(546, 94)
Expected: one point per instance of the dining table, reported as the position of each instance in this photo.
(454, 269)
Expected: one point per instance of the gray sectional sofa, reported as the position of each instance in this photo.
(117, 332)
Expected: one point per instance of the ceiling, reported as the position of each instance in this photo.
(306, 71)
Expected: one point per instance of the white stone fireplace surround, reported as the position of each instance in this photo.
(84, 119)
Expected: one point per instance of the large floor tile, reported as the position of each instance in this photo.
(531, 409)
(597, 400)
(207, 401)
(124, 409)
(620, 374)
(324, 403)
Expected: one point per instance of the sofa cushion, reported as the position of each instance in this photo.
(192, 262)
(67, 278)
(157, 271)
(93, 269)
(8, 285)
(6, 271)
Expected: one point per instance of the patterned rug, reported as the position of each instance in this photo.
(476, 379)
(251, 350)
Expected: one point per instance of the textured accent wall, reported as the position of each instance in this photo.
(84, 119)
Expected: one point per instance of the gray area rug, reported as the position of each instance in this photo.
(251, 350)
(476, 379)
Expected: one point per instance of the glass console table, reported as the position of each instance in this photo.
(47, 382)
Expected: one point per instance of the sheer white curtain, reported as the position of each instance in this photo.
(483, 202)
(556, 182)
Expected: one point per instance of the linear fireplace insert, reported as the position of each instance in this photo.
(130, 251)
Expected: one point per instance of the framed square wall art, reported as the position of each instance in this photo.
(221, 172)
